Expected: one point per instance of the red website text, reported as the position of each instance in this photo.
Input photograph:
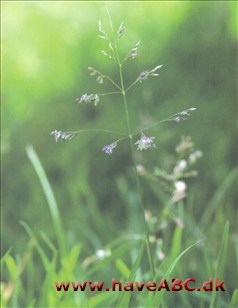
(174, 285)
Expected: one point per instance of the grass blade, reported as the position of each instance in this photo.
(220, 260)
(122, 267)
(124, 299)
(41, 252)
(158, 296)
(234, 299)
(216, 200)
(49, 196)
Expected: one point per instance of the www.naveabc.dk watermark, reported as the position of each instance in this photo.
(176, 284)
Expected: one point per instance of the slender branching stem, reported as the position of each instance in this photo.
(132, 85)
(113, 82)
(113, 51)
(136, 176)
(109, 93)
(170, 118)
(149, 253)
(99, 130)
(108, 78)
(110, 20)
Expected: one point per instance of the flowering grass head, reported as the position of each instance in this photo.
(91, 98)
(58, 135)
(146, 74)
(145, 143)
(109, 148)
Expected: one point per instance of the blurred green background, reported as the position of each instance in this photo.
(47, 48)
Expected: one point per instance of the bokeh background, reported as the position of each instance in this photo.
(47, 48)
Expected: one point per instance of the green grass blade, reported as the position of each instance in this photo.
(220, 260)
(41, 252)
(14, 271)
(3, 258)
(49, 196)
(158, 295)
(174, 263)
(234, 299)
(99, 300)
(96, 214)
(217, 198)
(176, 244)
(49, 243)
(12, 267)
(124, 238)
(122, 267)
(47, 285)
(125, 297)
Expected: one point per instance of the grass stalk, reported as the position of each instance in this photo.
(149, 253)
(130, 135)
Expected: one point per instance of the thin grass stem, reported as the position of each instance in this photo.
(149, 253)
(109, 93)
(170, 118)
(132, 85)
(113, 82)
(99, 130)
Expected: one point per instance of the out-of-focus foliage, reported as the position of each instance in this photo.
(47, 49)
